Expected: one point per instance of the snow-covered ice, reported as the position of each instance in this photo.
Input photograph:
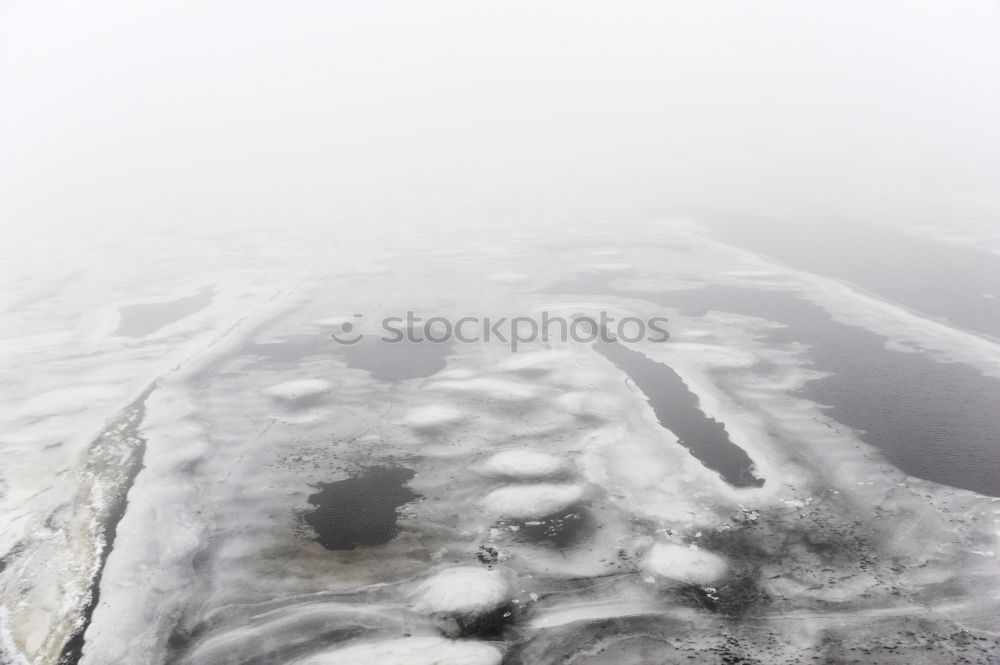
(549, 499)
(685, 563)
(410, 651)
(522, 463)
(432, 415)
(535, 500)
(463, 591)
(297, 389)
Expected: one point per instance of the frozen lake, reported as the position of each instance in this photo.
(803, 470)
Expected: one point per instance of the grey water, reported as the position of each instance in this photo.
(677, 409)
(562, 530)
(395, 361)
(146, 318)
(384, 361)
(360, 511)
(933, 420)
(955, 283)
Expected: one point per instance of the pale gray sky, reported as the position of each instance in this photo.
(133, 112)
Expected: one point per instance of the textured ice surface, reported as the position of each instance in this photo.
(552, 504)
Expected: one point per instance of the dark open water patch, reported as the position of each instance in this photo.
(941, 279)
(395, 361)
(677, 409)
(562, 530)
(360, 511)
(385, 361)
(147, 318)
(933, 420)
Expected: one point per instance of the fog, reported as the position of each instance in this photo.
(126, 115)
(210, 213)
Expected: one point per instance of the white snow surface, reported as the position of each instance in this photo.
(685, 563)
(528, 501)
(522, 463)
(298, 388)
(432, 415)
(463, 591)
(410, 651)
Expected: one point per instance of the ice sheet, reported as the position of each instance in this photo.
(545, 469)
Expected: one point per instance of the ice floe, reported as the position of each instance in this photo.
(503, 389)
(432, 416)
(522, 464)
(409, 651)
(298, 389)
(528, 501)
(685, 563)
(463, 591)
(535, 359)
